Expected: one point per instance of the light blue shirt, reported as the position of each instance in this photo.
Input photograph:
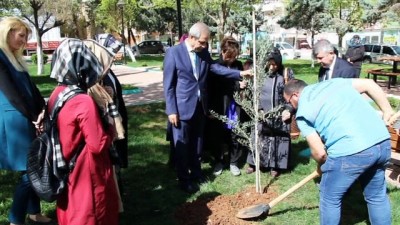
(344, 119)
(193, 59)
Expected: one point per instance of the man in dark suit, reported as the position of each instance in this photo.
(331, 65)
(186, 67)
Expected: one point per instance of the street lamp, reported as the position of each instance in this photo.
(121, 4)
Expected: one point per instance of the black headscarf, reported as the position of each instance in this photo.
(277, 57)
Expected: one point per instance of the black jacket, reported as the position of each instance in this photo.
(356, 55)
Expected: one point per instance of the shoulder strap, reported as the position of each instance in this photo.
(62, 98)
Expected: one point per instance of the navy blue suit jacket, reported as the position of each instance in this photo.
(181, 86)
(342, 69)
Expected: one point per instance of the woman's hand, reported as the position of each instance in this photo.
(286, 115)
(39, 123)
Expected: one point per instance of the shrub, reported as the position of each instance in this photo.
(395, 103)
(34, 58)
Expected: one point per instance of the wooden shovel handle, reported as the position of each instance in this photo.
(294, 188)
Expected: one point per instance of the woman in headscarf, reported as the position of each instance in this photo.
(275, 140)
(91, 187)
(111, 83)
(21, 107)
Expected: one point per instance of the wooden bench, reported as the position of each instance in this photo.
(118, 58)
(381, 72)
(394, 139)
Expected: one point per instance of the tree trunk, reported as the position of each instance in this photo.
(134, 41)
(312, 47)
(39, 52)
(255, 102)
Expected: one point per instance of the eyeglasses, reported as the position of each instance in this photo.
(232, 43)
(288, 101)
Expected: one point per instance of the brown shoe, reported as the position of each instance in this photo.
(250, 170)
(275, 173)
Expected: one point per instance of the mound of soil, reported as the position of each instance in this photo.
(221, 209)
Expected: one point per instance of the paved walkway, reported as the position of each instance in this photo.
(149, 80)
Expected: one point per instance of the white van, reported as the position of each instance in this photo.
(287, 50)
(374, 51)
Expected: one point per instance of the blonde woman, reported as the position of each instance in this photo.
(21, 107)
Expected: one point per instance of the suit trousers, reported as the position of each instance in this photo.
(188, 139)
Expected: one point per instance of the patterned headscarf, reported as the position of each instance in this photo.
(98, 93)
(109, 41)
(74, 64)
(103, 55)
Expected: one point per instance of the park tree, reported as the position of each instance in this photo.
(240, 21)
(345, 16)
(8, 7)
(309, 15)
(377, 10)
(40, 14)
(220, 10)
(142, 15)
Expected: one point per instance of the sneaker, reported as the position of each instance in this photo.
(218, 169)
(235, 170)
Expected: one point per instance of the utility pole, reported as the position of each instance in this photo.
(179, 10)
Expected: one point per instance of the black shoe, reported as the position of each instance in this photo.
(189, 188)
(32, 222)
(200, 180)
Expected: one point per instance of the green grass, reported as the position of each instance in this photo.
(147, 61)
(151, 195)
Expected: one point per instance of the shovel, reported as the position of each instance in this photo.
(257, 210)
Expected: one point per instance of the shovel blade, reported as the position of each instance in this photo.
(252, 211)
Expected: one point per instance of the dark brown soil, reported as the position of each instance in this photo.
(221, 209)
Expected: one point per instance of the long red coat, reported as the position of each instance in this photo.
(91, 198)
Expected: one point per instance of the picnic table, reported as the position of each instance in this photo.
(394, 59)
(383, 72)
(119, 58)
(391, 74)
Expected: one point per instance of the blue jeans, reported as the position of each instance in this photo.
(25, 201)
(338, 174)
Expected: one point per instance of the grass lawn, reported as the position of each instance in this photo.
(147, 60)
(151, 195)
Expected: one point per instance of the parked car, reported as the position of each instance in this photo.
(287, 50)
(150, 47)
(166, 47)
(374, 51)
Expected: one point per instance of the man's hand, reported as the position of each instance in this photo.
(317, 148)
(392, 119)
(246, 73)
(173, 119)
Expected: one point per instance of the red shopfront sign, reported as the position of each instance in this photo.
(47, 45)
